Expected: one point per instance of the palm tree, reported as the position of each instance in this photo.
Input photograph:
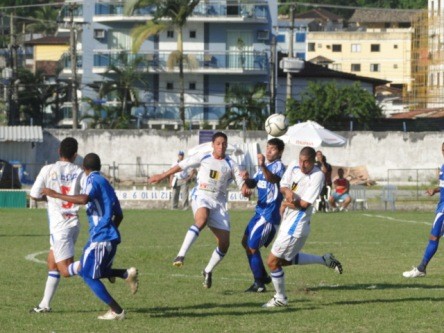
(169, 14)
(124, 75)
(247, 105)
(45, 21)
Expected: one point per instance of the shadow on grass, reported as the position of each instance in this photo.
(198, 310)
(385, 301)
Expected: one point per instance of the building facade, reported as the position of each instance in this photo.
(227, 41)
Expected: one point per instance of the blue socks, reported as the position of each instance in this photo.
(430, 251)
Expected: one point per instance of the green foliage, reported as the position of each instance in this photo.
(323, 102)
(169, 14)
(246, 103)
(371, 296)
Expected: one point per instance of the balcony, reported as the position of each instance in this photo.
(252, 62)
(208, 11)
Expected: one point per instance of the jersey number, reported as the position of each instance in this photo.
(65, 190)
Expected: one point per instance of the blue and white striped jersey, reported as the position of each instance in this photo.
(440, 206)
(269, 196)
(101, 207)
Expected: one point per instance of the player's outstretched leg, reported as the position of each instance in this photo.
(332, 262)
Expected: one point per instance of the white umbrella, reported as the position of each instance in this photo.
(310, 133)
(207, 148)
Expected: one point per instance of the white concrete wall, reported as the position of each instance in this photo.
(378, 151)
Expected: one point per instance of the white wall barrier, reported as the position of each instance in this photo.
(164, 194)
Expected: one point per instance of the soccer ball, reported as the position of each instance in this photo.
(276, 124)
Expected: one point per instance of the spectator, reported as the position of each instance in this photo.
(180, 182)
(321, 162)
(340, 195)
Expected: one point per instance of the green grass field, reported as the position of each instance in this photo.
(371, 296)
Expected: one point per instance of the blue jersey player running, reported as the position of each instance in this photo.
(104, 217)
(437, 229)
(262, 226)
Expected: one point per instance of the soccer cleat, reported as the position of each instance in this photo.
(266, 280)
(38, 309)
(112, 279)
(178, 262)
(414, 273)
(275, 303)
(111, 315)
(256, 288)
(208, 281)
(133, 279)
(332, 262)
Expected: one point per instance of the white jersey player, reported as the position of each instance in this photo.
(301, 184)
(63, 176)
(209, 200)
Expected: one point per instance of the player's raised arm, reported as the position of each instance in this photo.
(161, 176)
(80, 199)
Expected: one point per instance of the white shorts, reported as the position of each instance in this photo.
(63, 243)
(218, 217)
(287, 247)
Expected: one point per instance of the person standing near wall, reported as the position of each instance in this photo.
(180, 184)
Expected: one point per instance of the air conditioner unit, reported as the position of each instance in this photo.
(99, 33)
(263, 35)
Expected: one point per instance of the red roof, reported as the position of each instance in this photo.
(421, 113)
(49, 40)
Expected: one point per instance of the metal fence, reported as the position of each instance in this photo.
(416, 178)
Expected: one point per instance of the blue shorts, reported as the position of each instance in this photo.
(97, 259)
(437, 227)
(340, 197)
(259, 232)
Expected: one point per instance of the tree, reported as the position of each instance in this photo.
(323, 102)
(246, 104)
(169, 14)
(45, 21)
(124, 75)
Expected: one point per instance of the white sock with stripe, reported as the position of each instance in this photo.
(308, 259)
(52, 283)
(216, 258)
(190, 238)
(278, 279)
(73, 268)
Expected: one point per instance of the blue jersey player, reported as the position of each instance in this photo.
(437, 229)
(104, 217)
(262, 226)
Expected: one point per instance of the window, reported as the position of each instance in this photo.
(375, 68)
(192, 86)
(170, 34)
(336, 67)
(280, 38)
(300, 37)
(395, 46)
(300, 55)
(355, 67)
(337, 48)
(192, 33)
(356, 48)
(170, 86)
(375, 48)
(311, 47)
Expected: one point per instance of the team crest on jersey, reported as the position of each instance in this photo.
(214, 174)
(294, 187)
(54, 176)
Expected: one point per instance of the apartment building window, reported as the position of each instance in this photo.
(192, 33)
(300, 55)
(336, 67)
(192, 86)
(355, 67)
(311, 47)
(300, 37)
(355, 48)
(395, 46)
(337, 48)
(280, 38)
(375, 48)
(170, 34)
(375, 68)
(170, 86)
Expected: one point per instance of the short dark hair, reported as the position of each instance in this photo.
(219, 135)
(280, 145)
(310, 152)
(92, 162)
(68, 147)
